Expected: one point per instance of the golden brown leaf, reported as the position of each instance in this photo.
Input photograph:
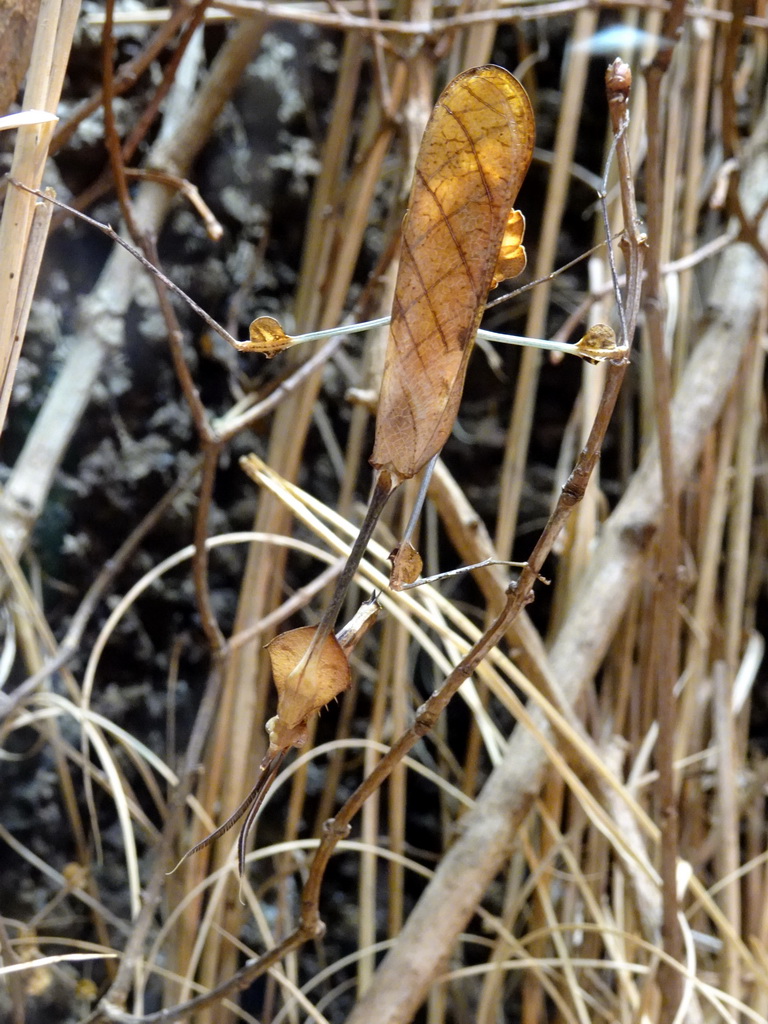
(474, 155)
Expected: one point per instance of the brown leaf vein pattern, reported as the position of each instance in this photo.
(476, 150)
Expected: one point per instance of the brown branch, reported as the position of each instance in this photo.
(665, 654)
(125, 79)
(191, 193)
(103, 184)
(210, 445)
(210, 453)
(111, 137)
(215, 637)
(144, 123)
(137, 254)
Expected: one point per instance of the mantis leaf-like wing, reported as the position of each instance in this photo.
(459, 239)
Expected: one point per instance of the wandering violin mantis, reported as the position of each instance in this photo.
(461, 237)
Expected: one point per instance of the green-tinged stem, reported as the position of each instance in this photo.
(382, 321)
(517, 339)
(331, 332)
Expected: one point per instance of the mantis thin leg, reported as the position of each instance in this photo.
(466, 568)
(420, 499)
(517, 339)
(331, 332)
(492, 336)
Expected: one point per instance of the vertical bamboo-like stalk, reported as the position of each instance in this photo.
(700, 83)
(50, 53)
(582, 527)
(400, 697)
(663, 664)
(38, 235)
(712, 509)
(420, 93)
(521, 422)
(739, 543)
(727, 835)
(533, 994)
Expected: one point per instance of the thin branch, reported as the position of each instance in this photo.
(103, 184)
(124, 80)
(110, 232)
(111, 138)
(211, 449)
(436, 27)
(208, 619)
